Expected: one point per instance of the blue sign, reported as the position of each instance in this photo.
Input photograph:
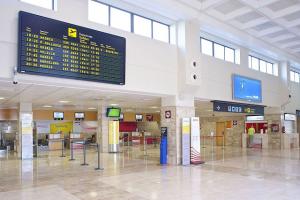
(53, 48)
(246, 89)
(222, 106)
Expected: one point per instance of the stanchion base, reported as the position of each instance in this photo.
(84, 164)
(62, 156)
(71, 159)
(99, 168)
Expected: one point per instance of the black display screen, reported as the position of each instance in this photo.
(54, 48)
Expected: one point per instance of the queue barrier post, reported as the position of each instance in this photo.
(99, 159)
(62, 148)
(84, 154)
(71, 151)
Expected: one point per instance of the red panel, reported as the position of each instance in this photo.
(127, 126)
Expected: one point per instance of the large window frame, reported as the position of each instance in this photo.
(213, 50)
(53, 4)
(293, 75)
(132, 20)
(260, 61)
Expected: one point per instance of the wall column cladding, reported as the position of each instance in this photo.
(179, 107)
(102, 131)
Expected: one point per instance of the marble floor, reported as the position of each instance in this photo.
(230, 173)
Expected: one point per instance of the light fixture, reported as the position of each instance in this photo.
(1, 98)
(64, 101)
(114, 104)
(91, 108)
(147, 99)
(158, 111)
(47, 106)
(154, 107)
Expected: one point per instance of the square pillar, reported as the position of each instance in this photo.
(102, 131)
(179, 108)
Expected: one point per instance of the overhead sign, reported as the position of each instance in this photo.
(223, 106)
(53, 48)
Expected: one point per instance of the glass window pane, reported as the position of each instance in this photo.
(229, 54)
(120, 19)
(98, 12)
(42, 3)
(262, 66)
(219, 51)
(142, 26)
(275, 69)
(292, 76)
(255, 63)
(206, 47)
(269, 68)
(296, 77)
(249, 61)
(160, 32)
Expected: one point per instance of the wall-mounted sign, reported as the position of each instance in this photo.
(223, 106)
(290, 117)
(53, 48)
(255, 118)
(168, 114)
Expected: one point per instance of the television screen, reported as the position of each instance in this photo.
(58, 115)
(138, 117)
(79, 115)
(246, 89)
(113, 112)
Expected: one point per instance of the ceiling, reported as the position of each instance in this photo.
(73, 98)
(276, 22)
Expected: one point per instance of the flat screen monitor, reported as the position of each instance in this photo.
(246, 89)
(290, 117)
(58, 115)
(79, 115)
(113, 112)
(139, 117)
(255, 118)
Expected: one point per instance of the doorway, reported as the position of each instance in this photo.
(220, 131)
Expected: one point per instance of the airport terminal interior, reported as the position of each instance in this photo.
(145, 100)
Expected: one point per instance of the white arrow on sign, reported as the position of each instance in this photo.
(218, 107)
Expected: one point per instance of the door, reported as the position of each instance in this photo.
(220, 129)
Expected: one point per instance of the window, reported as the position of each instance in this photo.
(229, 54)
(98, 12)
(206, 47)
(110, 16)
(161, 32)
(120, 19)
(217, 50)
(142, 26)
(49, 4)
(294, 76)
(262, 65)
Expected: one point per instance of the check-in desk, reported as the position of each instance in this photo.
(289, 140)
(262, 139)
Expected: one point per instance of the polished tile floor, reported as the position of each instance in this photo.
(230, 173)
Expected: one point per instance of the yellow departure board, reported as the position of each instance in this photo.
(54, 48)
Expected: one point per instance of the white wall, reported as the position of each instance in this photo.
(151, 66)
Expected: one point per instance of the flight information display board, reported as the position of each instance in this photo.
(54, 48)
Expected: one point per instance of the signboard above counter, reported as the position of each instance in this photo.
(223, 106)
(53, 48)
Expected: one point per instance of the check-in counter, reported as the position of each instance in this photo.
(262, 139)
(55, 141)
(290, 140)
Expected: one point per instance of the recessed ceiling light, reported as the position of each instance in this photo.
(154, 107)
(147, 99)
(114, 104)
(1, 98)
(47, 106)
(91, 108)
(158, 111)
(64, 101)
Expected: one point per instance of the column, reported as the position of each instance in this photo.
(102, 131)
(179, 107)
(25, 136)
